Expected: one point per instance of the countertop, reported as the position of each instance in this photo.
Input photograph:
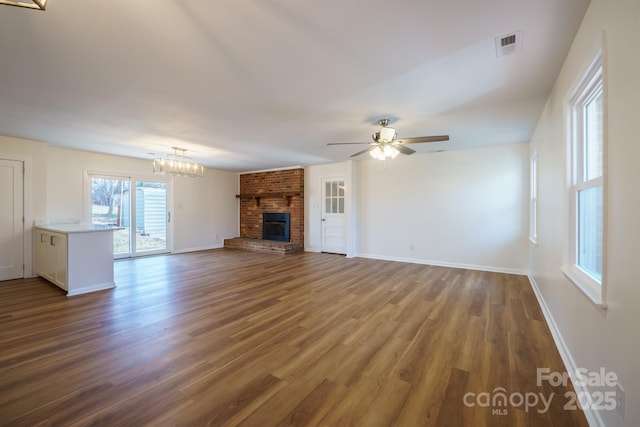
(74, 227)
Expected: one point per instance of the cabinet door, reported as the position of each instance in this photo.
(59, 254)
(48, 258)
(42, 242)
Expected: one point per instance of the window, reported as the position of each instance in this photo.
(586, 147)
(533, 203)
(334, 197)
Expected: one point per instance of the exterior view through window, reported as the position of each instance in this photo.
(586, 163)
(141, 214)
(589, 190)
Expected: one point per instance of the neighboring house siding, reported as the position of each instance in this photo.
(150, 213)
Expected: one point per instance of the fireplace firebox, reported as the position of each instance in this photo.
(275, 226)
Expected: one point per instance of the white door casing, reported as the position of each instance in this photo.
(333, 216)
(11, 219)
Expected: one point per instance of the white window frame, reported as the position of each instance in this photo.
(592, 84)
(533, 200)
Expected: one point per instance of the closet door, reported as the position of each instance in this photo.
(11, 219)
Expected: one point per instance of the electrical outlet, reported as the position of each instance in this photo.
(412, 247)
(620, 400)
(217, 237)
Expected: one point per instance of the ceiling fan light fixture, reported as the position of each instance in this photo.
(390, 151)
(384, 151)
(377, 153)
(386, 146)
(387, 134)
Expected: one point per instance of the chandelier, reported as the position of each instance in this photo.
(31, 4)
(178, 164)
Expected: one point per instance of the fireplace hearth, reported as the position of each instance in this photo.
(275, 226)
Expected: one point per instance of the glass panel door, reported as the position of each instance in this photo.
(141, 215)
(111, 207)
(151, 217)
(333, 216)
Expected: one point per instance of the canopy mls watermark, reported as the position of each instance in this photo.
(500, 400)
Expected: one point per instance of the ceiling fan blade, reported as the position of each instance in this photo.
(404, 150)
(350, 143)
(434, 138)
(366, 150)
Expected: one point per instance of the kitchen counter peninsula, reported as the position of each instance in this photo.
(76, 257)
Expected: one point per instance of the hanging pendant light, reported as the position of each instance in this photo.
(178, 165)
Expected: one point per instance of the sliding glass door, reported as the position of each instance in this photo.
(151, 217)
(138, 207)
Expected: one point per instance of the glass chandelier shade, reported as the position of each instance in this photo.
(384, 151)
(178, 165)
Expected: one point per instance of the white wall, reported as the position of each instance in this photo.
(464, 208)
(589, 337)
(65, 178)
(205, 210)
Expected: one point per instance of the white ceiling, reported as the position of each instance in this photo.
(250, 85)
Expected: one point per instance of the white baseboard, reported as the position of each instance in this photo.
(593, 417)
(93, 288)
(202, 248)
(447, 264)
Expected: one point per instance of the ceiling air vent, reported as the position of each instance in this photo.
(508, 43)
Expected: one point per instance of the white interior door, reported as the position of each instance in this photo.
(11, 220)
(333, 217)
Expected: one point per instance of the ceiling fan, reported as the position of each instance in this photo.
(385, 145)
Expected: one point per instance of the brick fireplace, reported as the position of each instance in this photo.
(270, 192)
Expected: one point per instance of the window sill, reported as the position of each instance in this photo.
(586, 285)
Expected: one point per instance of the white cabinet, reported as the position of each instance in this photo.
(77, 258)
(52, 257)
(59, 242)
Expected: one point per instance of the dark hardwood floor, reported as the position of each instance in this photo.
(226, 337)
